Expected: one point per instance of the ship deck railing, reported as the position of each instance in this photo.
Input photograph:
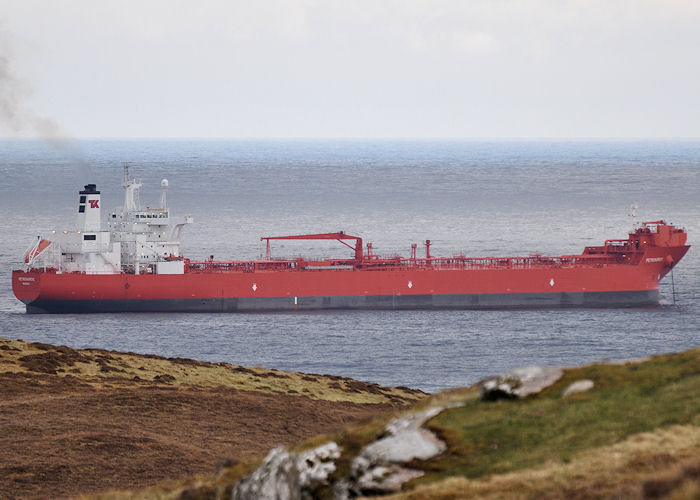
(401, 263)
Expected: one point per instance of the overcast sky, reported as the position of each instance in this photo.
(405, 68)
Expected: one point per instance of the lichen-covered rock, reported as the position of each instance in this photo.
(578, 386)
(314, 466)
(386, 478)
(520, 382)
(276, 478)
(287, 476)
(491, 390)
(408, 440)
(376, 468)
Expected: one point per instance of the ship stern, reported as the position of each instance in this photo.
(26, 285)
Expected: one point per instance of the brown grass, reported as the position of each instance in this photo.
(82, 421)
(98, 367)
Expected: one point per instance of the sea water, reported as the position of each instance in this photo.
(480, 198)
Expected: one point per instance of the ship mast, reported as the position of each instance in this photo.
(131, 195)
(163, 193)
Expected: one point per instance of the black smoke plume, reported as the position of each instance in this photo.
(18, 118)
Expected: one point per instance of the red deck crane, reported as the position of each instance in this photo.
(339, 236)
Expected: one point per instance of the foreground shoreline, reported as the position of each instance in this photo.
(624, 429)
(110, 425)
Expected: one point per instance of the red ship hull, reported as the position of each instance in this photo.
(594, 279)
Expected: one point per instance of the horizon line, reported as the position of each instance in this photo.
(354, 138)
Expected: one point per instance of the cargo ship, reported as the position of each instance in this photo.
(133, 264)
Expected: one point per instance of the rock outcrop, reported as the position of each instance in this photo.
(376, 468)
(277, 477)
(520, 383)
(315, 466)
(284, 475)
(578, 386)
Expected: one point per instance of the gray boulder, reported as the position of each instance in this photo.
(314, 466)
(578, 386)
(408, 440)
(386, 478)
(376, 468)
(287, 476)
(519, 383)
(276, 478)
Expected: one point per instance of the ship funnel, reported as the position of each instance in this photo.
(88, 209)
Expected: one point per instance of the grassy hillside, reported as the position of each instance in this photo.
(98, 367)
(85, 420)
(640, 421)
(636, 434)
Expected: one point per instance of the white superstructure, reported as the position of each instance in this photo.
(136, 240)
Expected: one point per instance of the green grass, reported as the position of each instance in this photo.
(492, 438)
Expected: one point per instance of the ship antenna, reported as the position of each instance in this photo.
(633, 215)
(125, 180)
